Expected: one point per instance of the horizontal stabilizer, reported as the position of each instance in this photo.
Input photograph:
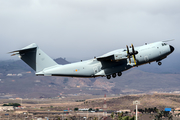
(29, 47)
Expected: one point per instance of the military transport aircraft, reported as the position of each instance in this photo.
(107, 65)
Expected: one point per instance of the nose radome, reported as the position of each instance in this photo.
(172, 48)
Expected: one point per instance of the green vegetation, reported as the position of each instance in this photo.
(120, 116)
(90, 109)
(165, 114)
(80, 100)
(12, 104)
(76, 109)
(97, 110)
(133, 118)
(149, 110)
(112, 115)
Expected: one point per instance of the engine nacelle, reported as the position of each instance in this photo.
(119, 57)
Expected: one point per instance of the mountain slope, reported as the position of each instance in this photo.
(131, 81)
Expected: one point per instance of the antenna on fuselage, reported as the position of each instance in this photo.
(168, 40)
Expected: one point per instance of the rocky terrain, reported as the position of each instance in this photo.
(18, 80)
(160, 101)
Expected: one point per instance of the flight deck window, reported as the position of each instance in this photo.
(163, 44)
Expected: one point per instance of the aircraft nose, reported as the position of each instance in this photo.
(172, 48)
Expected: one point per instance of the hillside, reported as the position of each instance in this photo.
(18, 66)
(18, 79)
(170, 65)
(160, 101)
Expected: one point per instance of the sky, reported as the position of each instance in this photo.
(82, 29)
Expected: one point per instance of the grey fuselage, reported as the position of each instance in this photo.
(96, 67)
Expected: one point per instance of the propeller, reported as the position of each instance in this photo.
(128, 54)
(133, 53)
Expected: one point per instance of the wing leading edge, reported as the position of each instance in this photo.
(114, 57)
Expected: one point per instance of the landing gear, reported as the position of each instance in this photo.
(114, 75)
(119, 73)
(108, 76)
(159, 63)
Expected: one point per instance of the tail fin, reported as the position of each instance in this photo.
(35, 57)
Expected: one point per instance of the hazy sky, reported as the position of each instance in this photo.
(82, 29)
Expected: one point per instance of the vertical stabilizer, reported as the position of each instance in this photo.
(35, 57)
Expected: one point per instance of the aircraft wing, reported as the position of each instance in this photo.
(113, 57)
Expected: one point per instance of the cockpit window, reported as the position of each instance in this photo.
(164, 44)
(124, 50)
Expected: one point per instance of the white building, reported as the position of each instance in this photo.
(5, 108)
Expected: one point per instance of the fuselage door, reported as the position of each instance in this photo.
(146, 58)
(95, 68)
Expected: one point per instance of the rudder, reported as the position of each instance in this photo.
(35, 57)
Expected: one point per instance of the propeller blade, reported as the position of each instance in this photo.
(128, 54)
(134, 57)
(129, 60)
(133, 51)
(127, 49)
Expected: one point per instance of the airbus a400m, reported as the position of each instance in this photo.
(107, 65)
